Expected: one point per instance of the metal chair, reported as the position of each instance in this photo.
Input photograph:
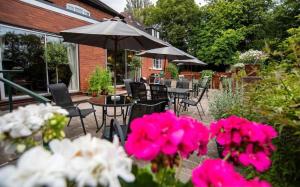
(62, 98)
(167, 82)
(183, 84)
(188, 102)
(138, 91)
(137, 110)
(127, 86)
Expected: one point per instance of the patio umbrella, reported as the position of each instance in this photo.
(112, 34)
(170, 53)
(193, 61)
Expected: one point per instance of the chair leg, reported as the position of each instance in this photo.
(202, 108)
(179, 108)
(69, 121)
(199, 112)
(82, 124)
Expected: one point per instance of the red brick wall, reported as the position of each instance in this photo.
(24, 15)
(95, 13)
(147, 67)
(90, 57)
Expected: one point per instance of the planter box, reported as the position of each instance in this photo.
(252, 69)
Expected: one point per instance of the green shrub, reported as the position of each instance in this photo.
(275, 100)
(224, 102)
(206, 73)
(172, 68)
(100, 81)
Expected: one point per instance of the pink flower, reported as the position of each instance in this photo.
(143, 141)
(247, 142)
(165, 133)
(195, 137)
(216, 173)
(259, 160)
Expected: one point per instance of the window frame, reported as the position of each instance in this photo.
(157, 64)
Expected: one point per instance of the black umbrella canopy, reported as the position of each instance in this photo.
(193, 61)
(169, 53)
(110, 32)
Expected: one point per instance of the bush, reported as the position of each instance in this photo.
(275, 100)
(172, 68)
(100, 81)
(223, 103)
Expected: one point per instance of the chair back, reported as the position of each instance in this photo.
(60, 95)
(140, 109)
(127, 85)
(138, 91)
(159, 92)
(204, 81)
(167, 83)
(183, 84)
(203, 91)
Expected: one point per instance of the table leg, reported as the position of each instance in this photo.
(103, 118)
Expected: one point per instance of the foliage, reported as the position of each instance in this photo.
(252, 57)
(138, 8)
(207, 73)
(174, 20)
(173, 69)
(100, 81)
(56, 54)
(135, 64)
(227, 100)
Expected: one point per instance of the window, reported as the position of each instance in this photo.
(29, 52)
(155, 33)
(157, 64)
(78, 9)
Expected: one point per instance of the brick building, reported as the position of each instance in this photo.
(30, 28)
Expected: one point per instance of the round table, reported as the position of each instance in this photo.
(106, 101)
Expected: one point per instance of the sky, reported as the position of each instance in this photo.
(119, 5)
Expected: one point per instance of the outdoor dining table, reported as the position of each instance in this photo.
(107, 101)
(176, 93)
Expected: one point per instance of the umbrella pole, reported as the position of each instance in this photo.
(115, 77)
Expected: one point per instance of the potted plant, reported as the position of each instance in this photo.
(57, 58)
(172, 69)
(252, 60)
(100, 82)
(135, 64)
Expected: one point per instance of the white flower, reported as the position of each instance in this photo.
(251, 56)
(36, 167)
(25, 120)
(92, 161)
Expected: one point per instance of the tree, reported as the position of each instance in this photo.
(137, 8)
(225, 27)
(174, 19)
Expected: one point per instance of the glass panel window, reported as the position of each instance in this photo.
(120, 65)
(23, 50)
(43, 59)
(157, 64)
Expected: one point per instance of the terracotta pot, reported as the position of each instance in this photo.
(94, 94)
(252, 69)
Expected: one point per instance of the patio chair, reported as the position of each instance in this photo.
(167, 83)
(127, 86)
(62, 98)
(183, 84)
(204, 82)
(137, 110)
(188, 102)
(138, 91)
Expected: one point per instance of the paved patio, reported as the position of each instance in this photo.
(75, 130)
